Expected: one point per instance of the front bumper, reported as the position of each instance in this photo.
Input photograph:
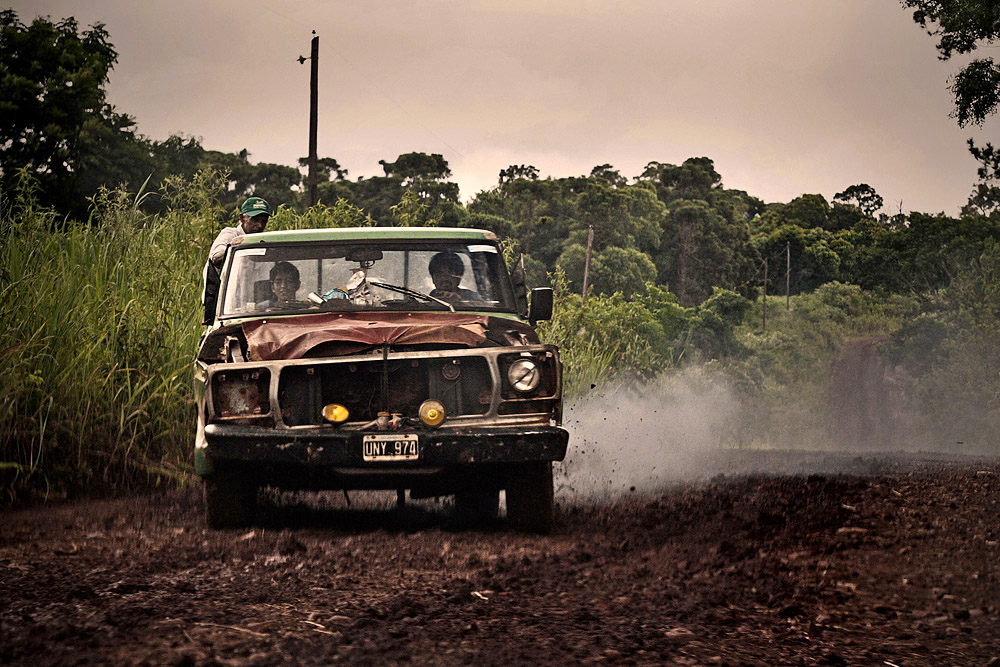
(321, 447)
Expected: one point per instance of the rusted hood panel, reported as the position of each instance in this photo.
(349, 333)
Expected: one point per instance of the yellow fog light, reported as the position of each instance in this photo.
(431, 412)
(335, 413)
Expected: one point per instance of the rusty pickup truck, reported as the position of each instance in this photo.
(378, 358)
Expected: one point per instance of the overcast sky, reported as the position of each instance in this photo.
(786, 96)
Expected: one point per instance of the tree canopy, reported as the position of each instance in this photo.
(53, 113)
(963, 26)
(672, 227)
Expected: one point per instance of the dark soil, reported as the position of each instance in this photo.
(896, 568)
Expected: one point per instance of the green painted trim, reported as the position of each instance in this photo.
(375, 312)
(484, 313)
(371, 234)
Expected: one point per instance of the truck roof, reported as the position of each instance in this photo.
(372, 234)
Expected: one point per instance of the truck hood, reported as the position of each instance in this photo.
(349, 333)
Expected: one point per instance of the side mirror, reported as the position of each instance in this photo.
(518, 282)
(541, 305)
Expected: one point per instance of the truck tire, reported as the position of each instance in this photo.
(473, 508)
(530, 498)
(230, 502)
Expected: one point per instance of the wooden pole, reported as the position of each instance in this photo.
(788, 273)
(313, 120)
(586, 264)
(765, 295)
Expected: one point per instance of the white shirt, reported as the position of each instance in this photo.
(222, 241)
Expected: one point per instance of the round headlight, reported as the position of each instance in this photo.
(431, 412)
(524, 375)
(335, 413)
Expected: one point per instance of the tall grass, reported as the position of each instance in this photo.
(100, 324)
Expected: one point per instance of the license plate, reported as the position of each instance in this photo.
(390, 447)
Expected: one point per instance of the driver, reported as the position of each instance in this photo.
(446, 269)
(284, 283)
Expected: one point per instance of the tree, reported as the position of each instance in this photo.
(52, 79)
(817, 256)
(327, 169)
(985, 199)
(701, 250)
(624, 270)
(417, 166)
(571, 261)
(863, 196)
(806, 211)
(111, 153)
(627, 217)
(516, 171)
(963, 26)
(434, 200)
(609, 175)
(696, 178)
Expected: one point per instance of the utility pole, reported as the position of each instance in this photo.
(313, 112)
(765, 295)
(586, 264)
(313, 117)
(788, 273)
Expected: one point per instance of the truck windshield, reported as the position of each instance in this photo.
(289, 278)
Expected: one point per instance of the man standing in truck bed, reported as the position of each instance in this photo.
(254, 215)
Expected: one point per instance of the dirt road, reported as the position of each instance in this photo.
(900, 567)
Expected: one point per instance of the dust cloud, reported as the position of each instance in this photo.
(692, 424)
(639, 437)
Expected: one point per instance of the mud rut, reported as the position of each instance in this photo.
(899, 567)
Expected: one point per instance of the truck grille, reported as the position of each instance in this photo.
(463, 384)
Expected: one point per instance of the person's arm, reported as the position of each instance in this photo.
(222, 241)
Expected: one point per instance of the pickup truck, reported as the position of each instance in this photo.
(378, 358)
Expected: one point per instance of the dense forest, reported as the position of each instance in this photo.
(103, 231)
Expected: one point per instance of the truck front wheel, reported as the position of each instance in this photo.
(230, 502)
(475, 508)
(530, 497)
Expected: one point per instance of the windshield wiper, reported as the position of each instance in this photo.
(412, 292)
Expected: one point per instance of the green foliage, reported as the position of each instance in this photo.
(101, 322)
(702, 249)
(103, 315)
(417, 167)
(863, 197)
(327, 169)
(696, 178)
(516, 171)
(713, 328)
(976, 88)
(100, 326)
(608, 174)
(624, 270)
(52, 101)
(962, 28)
(806, 211)
(612, 337)
(948, 358)
(985, 198)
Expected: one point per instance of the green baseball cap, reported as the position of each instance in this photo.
(255, 206)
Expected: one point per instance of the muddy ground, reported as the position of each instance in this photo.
(896, 566)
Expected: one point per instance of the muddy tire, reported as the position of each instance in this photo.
(230, 502)
(530, 498)
(474, 508)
